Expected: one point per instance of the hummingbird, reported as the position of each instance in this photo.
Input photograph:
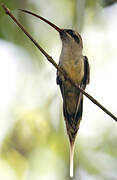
(77, 67)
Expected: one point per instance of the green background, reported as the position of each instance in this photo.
(33, 140)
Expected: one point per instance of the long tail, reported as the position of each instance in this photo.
(72, 144)
(72, 159)
(72, 125)
(72, 110)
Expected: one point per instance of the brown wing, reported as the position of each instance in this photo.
(70, 96)
(86, 78)
(73, 101)
(85, 81)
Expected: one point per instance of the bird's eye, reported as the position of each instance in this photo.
(76, 38)
(73, 35)
(70, 32)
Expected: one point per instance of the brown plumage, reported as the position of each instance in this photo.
(73, 101)
(77, 67)
(73, 106)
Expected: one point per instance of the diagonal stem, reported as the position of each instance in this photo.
(50, 59)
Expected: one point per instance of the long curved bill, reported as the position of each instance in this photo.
(43, 19)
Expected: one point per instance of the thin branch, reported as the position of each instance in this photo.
(50, 59)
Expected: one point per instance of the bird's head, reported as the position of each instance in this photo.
(71, 37)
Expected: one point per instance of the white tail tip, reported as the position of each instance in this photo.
(71, 160)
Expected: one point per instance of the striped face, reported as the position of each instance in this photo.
(73, 34)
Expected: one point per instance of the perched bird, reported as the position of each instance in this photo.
(76, 66)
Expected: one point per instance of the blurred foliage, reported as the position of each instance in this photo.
(105, 3)
(109, 2)
(33, 146)
(10, 32)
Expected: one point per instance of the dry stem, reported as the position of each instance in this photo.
(50, 59)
